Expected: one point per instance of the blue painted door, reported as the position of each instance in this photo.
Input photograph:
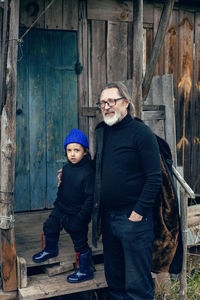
(47, 109)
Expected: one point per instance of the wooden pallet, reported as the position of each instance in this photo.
(42, 286)
(50, 278)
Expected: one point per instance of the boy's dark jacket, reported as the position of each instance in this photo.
(75, 194)
(167, 246)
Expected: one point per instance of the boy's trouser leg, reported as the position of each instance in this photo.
(80, 241)
(51, 229)
(52, 226)
(127, 256)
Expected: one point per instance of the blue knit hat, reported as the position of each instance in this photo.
(76, 136)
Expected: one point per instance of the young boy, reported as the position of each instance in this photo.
(73, 206)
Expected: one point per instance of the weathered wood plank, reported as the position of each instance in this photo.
(98, 72)
(129, 51)
(22, 272)
(37, 124)
(161, 93)
(159, 64)
(171, 49)
(185, 92)
(114, 10)
(57, 286)
(8, 145)
(61, 101)
(70, 15)
(3, 51)
(63, 14)
(149, 43)
(28, 230)
(83, 90)
(8, 260)
(153, 115)
(8, 295)
(53, 270)
(92, 111)
(53, 16)
(69, 85)
(54, 110)
(116, 51)
(22, 166)
(157, 46)
(137, 56)
(183, 212)
(194, 112)
(29, 11)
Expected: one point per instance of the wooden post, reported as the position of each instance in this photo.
(83, 61)
(3, 52)
(8, 145)
(137, 55)
(157, 46)
(183, 280)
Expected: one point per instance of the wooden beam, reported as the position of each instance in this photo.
(137, 56)
(22, 279)
(83, 89)
(7, 155)
(183, 279)
(4, 52)
(157, 46)
(92, 111)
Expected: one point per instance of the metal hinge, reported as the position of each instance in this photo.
(79, 68)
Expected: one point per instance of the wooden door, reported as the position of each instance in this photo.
(47, 109)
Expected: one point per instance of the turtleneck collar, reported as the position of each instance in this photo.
(82, 162)
(127, 119)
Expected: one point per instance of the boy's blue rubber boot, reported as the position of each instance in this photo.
(86, 271)
(50, 250)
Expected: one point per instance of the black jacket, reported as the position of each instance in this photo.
(167, 247)
(141, 141)
(75, 194)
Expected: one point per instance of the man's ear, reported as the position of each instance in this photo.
(127, 102)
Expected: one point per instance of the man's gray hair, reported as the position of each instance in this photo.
(123, 90)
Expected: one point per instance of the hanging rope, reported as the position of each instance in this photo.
(20, 40)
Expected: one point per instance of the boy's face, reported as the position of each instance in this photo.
(75, 152)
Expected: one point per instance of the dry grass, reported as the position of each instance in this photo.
(193, 282)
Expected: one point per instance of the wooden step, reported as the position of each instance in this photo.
(42, 286)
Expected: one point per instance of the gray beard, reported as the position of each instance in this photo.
(111, 121)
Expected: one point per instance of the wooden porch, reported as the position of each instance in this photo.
(48, 279)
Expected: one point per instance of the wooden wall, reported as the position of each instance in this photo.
(181, 56)
(62, 15)
(105, 52)
(111, 59)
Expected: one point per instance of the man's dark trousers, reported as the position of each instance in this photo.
(127, 256)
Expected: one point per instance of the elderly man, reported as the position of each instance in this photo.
(128, 178)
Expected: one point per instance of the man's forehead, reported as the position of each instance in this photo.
(110, 93)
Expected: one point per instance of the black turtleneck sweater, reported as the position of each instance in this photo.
(131, 171)
(75, 194)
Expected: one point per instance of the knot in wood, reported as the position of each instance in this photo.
(123, 15)
(7, 151)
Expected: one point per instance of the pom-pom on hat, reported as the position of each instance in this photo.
(76, 136)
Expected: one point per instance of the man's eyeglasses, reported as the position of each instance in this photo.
(110, 102)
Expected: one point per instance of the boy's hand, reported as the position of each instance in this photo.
(59, 176)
